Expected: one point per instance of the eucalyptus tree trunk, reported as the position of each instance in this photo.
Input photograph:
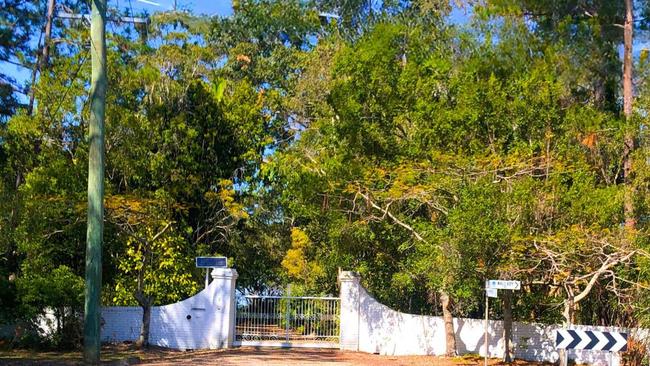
(507, 325)
(45, 53)
(145, 303)
(568, 314)
(628, 149)
(449, 325)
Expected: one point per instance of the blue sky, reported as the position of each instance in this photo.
(208, 7)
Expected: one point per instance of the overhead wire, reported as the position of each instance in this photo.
(69, 87)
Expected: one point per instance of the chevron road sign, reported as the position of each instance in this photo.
(591, 340)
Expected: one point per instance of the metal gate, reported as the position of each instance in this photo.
(285, 321)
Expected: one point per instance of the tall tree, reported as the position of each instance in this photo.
(628, 90)
(19, 22)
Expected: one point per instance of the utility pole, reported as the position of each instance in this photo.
(95, 224)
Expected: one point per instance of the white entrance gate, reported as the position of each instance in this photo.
(286, 321)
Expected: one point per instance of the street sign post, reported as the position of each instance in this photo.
(210, 262)
(491, 287)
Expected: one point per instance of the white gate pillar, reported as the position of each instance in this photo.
(349, 293)
(223, 298)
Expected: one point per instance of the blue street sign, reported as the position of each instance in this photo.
(211, 262)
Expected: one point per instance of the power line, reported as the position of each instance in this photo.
(67, 89)
(64, 15)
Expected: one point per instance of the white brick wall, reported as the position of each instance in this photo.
(211, 323)
(368, 326)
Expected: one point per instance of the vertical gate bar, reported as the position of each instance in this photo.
(272, 320)
(333, 330)
(303, 316)
(313, 328)
(327, 324)
(336, 317)
(331, 316)
(257, 316)
(251, 318)
(286, 321)
(335, 312)
(330, 330)
(278, 314)
(276, 321)
(251, 311)
(305, 311)
(248, 316)
(323, 326)
(243, 318)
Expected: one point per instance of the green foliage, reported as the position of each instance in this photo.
(59, 292)
(60, 288)
(167, 274)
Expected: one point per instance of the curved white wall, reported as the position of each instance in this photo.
(369, 326)
(210, 325)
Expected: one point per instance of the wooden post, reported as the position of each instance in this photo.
(95, 224)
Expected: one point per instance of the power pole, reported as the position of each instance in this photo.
(95, 228)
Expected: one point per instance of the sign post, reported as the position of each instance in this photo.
(491, 287)
(210, 262)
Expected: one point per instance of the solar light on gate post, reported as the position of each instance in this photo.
(210, 262)
(491, 287)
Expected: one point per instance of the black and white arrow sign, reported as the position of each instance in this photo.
(591, 340)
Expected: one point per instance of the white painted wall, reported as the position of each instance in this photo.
(211, 323)
(368, 326)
